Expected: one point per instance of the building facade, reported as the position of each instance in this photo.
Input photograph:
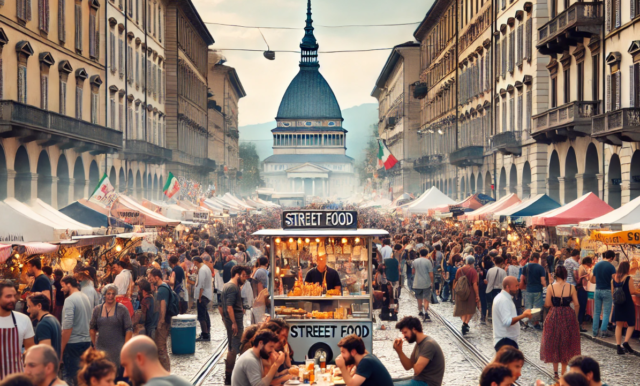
(399, 115)
(223, 146)
(309, 147)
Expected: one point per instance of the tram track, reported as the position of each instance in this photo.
(210, 364)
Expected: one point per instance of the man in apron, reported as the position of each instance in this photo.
(15, 331)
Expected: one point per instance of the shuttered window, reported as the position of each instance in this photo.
(529, 39)
(580, 81)
(112, 52)
(129, 121)
(44, 92)
(22, 84)
(79, 102)
(520, 113)
(95, 106)
(121, 57)
(618, 95)
(137, 69)
(63, 97)
(43, 15)
(130, 64)
(112, 113)
(137, 126)
(519, 46)
(634, 81)
(527, 118)
(498, 58)
(504, 116)
(120, 116)
(497, 118)
(512, 114)
(23, 10)
(62, 32)
(487, 75)
(512, 46)
(1, 81)
(78, 26)
(566, 86)
(92, 35)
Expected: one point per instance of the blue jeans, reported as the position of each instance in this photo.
(410, 382)
(71, 359)
(532, 300)
(583, 298)
(602, 298)
(446, 291)
(409, 278)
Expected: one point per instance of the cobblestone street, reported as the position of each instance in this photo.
(624, 370)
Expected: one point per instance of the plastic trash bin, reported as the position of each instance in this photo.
(183, 334)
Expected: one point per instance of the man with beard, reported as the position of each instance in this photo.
(41, 365)
(232, 311)
(506, 322)
(17, 329)
(76, 339)
(41, 282)
(139, 358)
(248, 369)
(369, 370)
(163, 328)
(48, 330)
(426, 360)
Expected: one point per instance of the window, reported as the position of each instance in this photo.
(527, 118)
(129, 64)
(614, 92)
(160, 23)
(129, 120)
(612, 18)
(112, 52)
(553, 6)
(78, 26)
(567, 85)
(504, 115)
(121, 114)
(635, 8)
(95, 107)
(130, 8)
(155, 18)
(512, 46)
(121, 56)
(137, 126)
(554, 92)
(63, 97)
(634, 81)
(23, 10)
(137, 69)
(137, 10)
(22, 84)
(520, 113)
(79, 101)
(44, 92)
(62, 34)
(112, 111)
(529, 40)
(580, 80)
(92, 35)
(512, 114)
(43, 15)
(595, 82)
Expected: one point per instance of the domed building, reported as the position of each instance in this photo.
(309, 142)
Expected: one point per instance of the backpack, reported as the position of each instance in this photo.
(462, 290)
(618, 295)
(173, 305)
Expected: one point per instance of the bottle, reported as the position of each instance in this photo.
(312, 376)
(323, 360)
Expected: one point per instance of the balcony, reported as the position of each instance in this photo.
(570, 120)
(29, 123)
(568, 28)
(616, 127)
(206, 164)
(467, 156)
(427, 163)
(234, 133)
(136, 150)
(508, 142)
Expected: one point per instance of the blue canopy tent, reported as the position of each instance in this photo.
(91, 217)
(534, 206)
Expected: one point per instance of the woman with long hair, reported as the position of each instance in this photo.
(96, 369)
(625, 312)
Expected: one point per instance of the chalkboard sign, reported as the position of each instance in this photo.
(320, 219)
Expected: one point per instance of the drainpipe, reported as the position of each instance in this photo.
(106, 77)
(604, 99)
(457, 86)
(494, 27)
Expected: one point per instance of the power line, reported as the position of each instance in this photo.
(317, 25)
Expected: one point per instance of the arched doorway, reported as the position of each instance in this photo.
(635, 175)
(479, 184)
(149, 191)
(463, 188)
(487, 185)
(23, 175)
(472, 184)
(62, 171)
(502, 183)
(160, 187)
(112, 176)
(570, 171)
(78, 179)
(122, 181)
(554, 172)
(94, 176)
(453, 188)
(130, 191)
(44, 177)
(3, 174)
(145, 186)
(445, 188)
(138, 185)
(526, 180)
(513, 179)
(615, 182)
(155, 187)
(592, 168)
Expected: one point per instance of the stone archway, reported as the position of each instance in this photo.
(94, 176)
(591, 170)
(79, 181)
(487, 185)
(23, 175)
(112, 176)
(635, 175)
(445, 188)
(3, 174)
(570, 171)
(44, 177)
(62, 171)
(463, 188)
(122, 181)
(472, 184)
(130, 185)
(615, 182)
(553, 185)
(513, 179)
(526, 180)
(138, 192)
(479, 184)
(160, 187)
(502, 183)
(149, 191)
(145, 186)
(154, 191)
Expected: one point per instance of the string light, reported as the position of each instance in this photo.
(306, 241)
(290, 239)
(118, 248)
(277, 240)
(317, 240)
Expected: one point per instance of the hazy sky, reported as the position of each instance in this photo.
(351, 75)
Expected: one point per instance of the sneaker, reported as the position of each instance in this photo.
(204, 338)
(628, 348)
(583, 329)
(605, 334)
(427, 318)
(421, 313)
(596, 334)
(620, 350)
(483, 321)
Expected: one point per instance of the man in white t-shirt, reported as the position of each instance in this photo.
(386, 250)
(17, 328)
(123, 278)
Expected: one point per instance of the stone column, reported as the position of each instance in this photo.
(324, 187)
(600, 178)
(34, 185)
(580, 183)
(11, 183)
(72, 184)
(87, 188)
(293, 184)
(561, 188)
(54, 192)
(313, 186)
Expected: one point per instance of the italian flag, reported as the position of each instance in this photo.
(172, 186)
(385, 158)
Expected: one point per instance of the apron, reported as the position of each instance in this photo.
(11, 355)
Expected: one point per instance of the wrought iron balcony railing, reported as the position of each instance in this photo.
(570, 27)
(616, 127)
(569, 120)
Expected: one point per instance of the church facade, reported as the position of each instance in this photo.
(309, 142)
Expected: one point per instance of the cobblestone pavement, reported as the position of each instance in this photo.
(616, 370)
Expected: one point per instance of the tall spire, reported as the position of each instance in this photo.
(309, 45)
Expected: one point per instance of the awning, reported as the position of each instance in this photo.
(48, 212)
(20, 223)
(430, 199)
(39, 248)
(81, 241)
(581, 209)
(625, 217)
(533, 206)
(487, 211)
(92, 215)
(472, 202)
(5, 252)
(127, 208)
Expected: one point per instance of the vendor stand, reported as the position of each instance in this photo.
(320, 317)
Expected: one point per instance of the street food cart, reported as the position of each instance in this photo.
(319, 316)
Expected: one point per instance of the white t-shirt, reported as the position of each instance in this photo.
(386, 252)
(122, 281)
(25, 329)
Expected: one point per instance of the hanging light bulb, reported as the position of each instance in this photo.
(307, 240)
(344, 241)
(299, 241)
(317, 240)
(290, 239)
(357, 240)
(277, 240)
(17, 255)
(118, 248)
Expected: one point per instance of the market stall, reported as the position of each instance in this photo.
(92, 215)
(133, 213)
(581, 209)
(533, 206)
(625, 217)
(487, 211)
(322, 305)
(432, 198)
(472, 202)
(48, 212)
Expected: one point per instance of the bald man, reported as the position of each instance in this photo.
(41, 365)
(506, 322)
(139, 358)
(323, 275)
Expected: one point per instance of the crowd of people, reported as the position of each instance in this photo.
(98, 331)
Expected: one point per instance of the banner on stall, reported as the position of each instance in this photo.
(622, 237)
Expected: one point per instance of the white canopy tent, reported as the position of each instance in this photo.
(430, 199)
(48, 212)
(626, 217)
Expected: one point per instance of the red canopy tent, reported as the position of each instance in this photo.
(471, 202)
(583, 208)
(487, 211)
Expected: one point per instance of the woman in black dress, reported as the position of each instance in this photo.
(624, 313)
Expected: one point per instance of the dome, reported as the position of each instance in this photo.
(309, 96)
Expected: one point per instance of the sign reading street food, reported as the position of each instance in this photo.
(318, 219)
(622, 237)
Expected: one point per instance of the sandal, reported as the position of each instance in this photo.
(556, 376)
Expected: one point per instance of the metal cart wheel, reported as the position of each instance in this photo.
(320, 347)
